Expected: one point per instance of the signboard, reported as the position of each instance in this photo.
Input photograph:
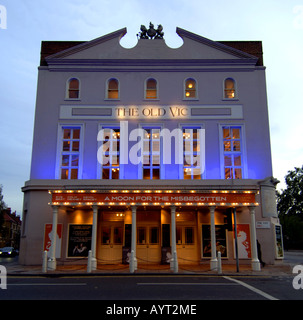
(152, 197)
(48, 238)
(279, 242)
(263, 224)
(79, 240)
(243, 239)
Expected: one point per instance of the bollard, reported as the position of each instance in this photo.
(44, 261)
(89, 262)
(219, 263)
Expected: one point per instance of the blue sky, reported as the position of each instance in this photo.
(278, 23)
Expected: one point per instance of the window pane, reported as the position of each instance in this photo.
(66, 133)
(141, 235)
(74, 174)
(105, 173)
(75, 146)
(76, 134)
(154, 235)
(156, 159)
(236, 133)
(65, 160)
(113, 84)
(226, 133)
(105, 238)
(151, 84)
(238, 173)
(75, 160)
(156, 173)
(237, 160)
(156, 146)
(73, 84)
(227, 146)
(178, 235)
(115, 173)
(228, 173)
(187, 173)
(151, 94)
(227, 161)
(118, 235)
(189, 235)
(236, 146)
(64, 173)
(146, 173)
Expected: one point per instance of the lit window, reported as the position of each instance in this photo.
(111, 153)
(113, 89)
(151, 89)
(151, 153)
(229, 88)
(192, 166)
(73, 89)
(190, 89)
(70, 153)
(232, 152)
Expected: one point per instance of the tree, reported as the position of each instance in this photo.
(290, 209)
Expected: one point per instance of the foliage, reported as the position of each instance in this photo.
(290, 209)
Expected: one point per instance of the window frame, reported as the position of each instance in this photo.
(67, 89)
(111, 153)
(145, 89)
(107, 90)
(141, 164)
(242, 151)
(60, 151)
(202, 151)
(234, 88)
(196, 97)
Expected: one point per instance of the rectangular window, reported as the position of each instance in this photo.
(111, 153)
(105, 235)
(151, 153)
(70, 153)
(192, 153)
(118, 235)
(154, 235)
(141, 235)
(232, 152)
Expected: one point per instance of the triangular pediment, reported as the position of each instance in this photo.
(194, 47)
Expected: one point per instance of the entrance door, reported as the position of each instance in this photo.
(148, 244)
(110, 250)
(186, 241)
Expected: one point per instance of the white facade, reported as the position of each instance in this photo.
(97, 96)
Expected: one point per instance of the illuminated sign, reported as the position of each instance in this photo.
(245, 198)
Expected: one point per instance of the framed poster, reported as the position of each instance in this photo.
(79, 240)
(48, 228)
(220, 240)
(279, 242)
(243, 238)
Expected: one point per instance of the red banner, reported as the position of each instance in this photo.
(152, 197)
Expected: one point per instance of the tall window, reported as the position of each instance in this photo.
(70, 153)
(113, 89)
(192, 160)
(73, 88)
(151, 153)
(111, 153)
(151, 90)
(229, 88)
(232, 152)
(190, 89)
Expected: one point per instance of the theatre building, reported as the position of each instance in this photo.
(151, 154)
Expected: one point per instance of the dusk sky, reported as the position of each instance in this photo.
(25, 23)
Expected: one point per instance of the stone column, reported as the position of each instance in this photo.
(174, 260)
(213, 261)
(94, 237)
(255, 263)
(51, 263)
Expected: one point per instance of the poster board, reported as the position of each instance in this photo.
(243, 239)
(47, 243)
(79, 240)
(220, 240)
(279, 242)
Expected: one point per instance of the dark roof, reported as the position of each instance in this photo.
(251, 47)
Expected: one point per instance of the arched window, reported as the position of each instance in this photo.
(229, 88)
(190, 89)
(113, 89)
(73, 88)
(151, 90)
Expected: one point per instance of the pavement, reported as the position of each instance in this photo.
(282, 268)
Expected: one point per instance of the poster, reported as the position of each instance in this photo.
(220, 240)
(79, 240)
(243, 237)
(279, 242)
(48, 239)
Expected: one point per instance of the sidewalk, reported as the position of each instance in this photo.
(282, 269)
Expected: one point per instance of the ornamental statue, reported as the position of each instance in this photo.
(151, 33)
